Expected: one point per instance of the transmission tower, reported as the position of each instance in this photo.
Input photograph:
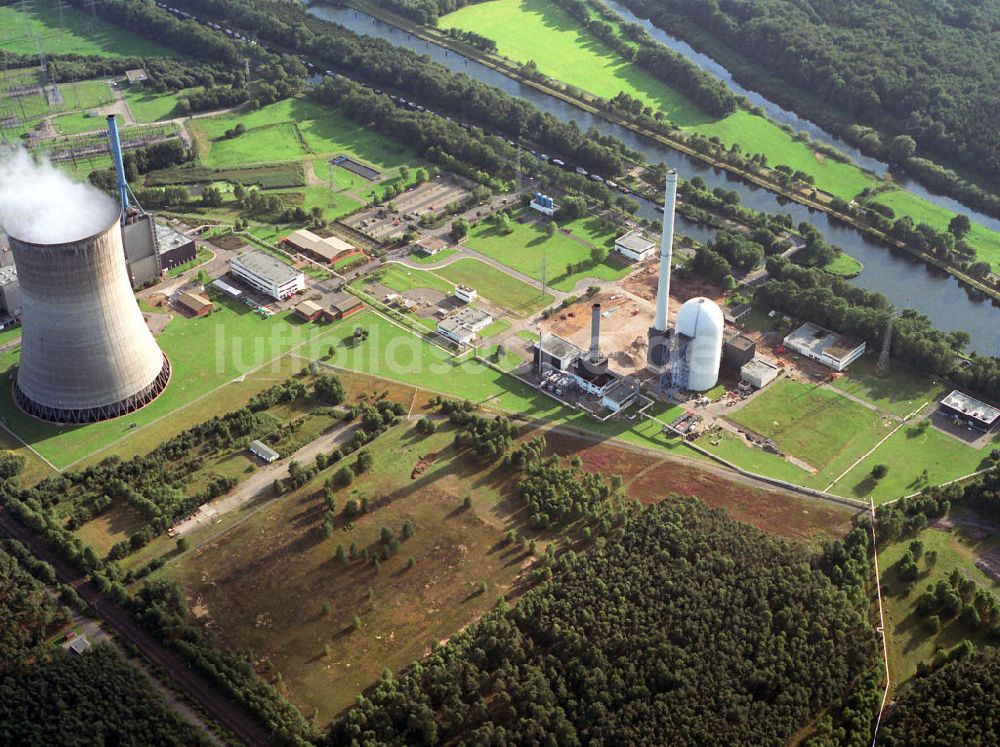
(882, 367)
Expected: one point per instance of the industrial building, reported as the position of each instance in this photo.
(10, 292)
(465, 293)
(463, 326)
(687, 357)
(267, 274)
(833, 350)
(737, 351)
(553, 352)
(320, 249)
(309, 311)
(229, 290)
(430, 245)
(195, 304)
(341, 305)
(634, 246)
(173, 247)
(970, 411)
(758, 373)
(543, 204)
(86, 353)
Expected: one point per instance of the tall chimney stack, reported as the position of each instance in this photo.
(666, 252)
(595, 333)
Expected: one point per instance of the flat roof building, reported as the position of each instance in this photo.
(430, 245)
(759, 373)
(620, 394)
(465, 293)
(833, 350)
(320, 249)
(10, 291)
(174, 247)
(463, 326)
(737, 350)
(978, 415)
(633, 245)
(226, 288)
(555, 352)
(267, 274)
(195, 304)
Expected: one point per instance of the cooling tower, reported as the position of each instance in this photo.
(86, 353)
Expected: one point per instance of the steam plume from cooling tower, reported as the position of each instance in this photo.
(42, 205)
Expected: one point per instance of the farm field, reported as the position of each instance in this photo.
(907, 453)
(524, 248)
(811, 423)
(532, 30)
(496, 286)
(910, 641)
(76, 33)
(205, 354)
(265, 582)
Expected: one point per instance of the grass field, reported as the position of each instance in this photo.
(910, 642)
(150, 106)
(524, 248)
(844, 266)
(907, 453)
(70, 32)
(900, 392)
(289, 130)
(497, 286)
(205, 354)
(77, 122)
(984, 241)
(265, 583)
(810, 422)
(402, 279)
(434, 259)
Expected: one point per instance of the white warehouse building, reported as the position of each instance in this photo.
(633, 245)
(267, 274)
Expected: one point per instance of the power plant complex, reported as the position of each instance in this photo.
(689, 355)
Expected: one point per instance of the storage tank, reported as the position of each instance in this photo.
(86, 352)
(701, 320)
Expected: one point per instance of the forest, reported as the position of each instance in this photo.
(687, 623)
(955, 704)
(93, 698)
(905, 68)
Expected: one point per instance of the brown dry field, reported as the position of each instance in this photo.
(683, 287)
(263, 584)
(623, 334)
(651, 479)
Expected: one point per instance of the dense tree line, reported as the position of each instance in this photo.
(150, 21)
(955, 704)
(918, 70)
(811, 294)
(687, 626)
(94, 698)
(386, 65)
(28, 612)
(423, 11)
(673, 68)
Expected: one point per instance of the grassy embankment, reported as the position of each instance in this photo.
(528, 30)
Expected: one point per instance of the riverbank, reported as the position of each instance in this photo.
(813, 199)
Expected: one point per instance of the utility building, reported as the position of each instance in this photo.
(268, 275)
(833, 350)
(974, 413)
(322, 250)
(10, 292)
(635, 246)
(463, 326)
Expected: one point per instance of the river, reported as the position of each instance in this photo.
(906, 281)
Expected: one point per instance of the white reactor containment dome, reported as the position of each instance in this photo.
(701, 320)
(86, 352)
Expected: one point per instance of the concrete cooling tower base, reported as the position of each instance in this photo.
(98, 413)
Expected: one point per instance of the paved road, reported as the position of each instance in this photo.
(238, 721)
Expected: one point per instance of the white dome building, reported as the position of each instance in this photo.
(699, 351)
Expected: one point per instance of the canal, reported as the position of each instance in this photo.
(906, 281)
